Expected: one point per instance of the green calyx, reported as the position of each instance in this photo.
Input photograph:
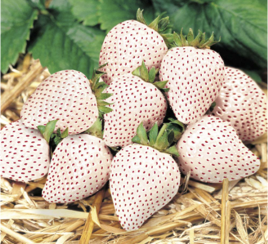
(96, 129)
(162, 140)
(200, 41)
(53, 139)
(149, 76)
(159, 24)
(211, 108)
(98, 87)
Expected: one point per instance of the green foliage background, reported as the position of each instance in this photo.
(68, 34)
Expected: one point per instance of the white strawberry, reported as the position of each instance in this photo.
(80, 166)
(242, 103)
(130, 42)
(25, 153)
(211, 151)
(134, 101)
(144, 178)
(194, 75)
(65, 96)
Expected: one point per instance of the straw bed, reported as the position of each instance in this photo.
(232, 212)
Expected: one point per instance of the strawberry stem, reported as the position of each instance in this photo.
(164, 139)
(149, 76)
(52, 138)
(159, 24)
(200, 41)
(96, 129)
(48, 129)
(98, 88)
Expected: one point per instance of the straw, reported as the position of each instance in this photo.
(231, 212)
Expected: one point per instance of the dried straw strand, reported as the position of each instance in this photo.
(89, 223)
(8, 96)
(15, 235)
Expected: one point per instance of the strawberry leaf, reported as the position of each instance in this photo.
(160, 141)
(172, 150)
(241, 24)
(144, 72)
(50, 127)
(176, 127)
(85, 10)
(113, 12)
(62, 43)
(104, 110)
(142, 134)
(41, 128)
(96, 129)
(153, 134)
(17, 17)
(160, 84)
(152, 74)
(65, 133)
(212, 106)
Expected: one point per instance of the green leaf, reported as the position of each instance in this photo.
(102, 103)
(176, 127)
(86, 11)
(152, 74)
(41, 128)
(162, 141)
(137, 72)
(61, 43)
(65, 133)
(50, 126)
(58, 133)
(136, 139)
(165, 89)
(142, 134)
(38, 4)
(104, 110)
(104, 96)
(170, 137)
(241, 24)
(253, 74)
(144, 72)
(172, 150)
(153, 134)
(17, 17)
(57, 140)
(96, 129)
(160, 84)
(113, 12)
(212, 106)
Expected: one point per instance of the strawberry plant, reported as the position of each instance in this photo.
(165, 103)
(69, 34)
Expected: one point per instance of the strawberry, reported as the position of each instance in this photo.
(134, 101)
(242, 103)
(144, 178)
(25, 153)
(66, 96)
(130, 42)
(80, 166)
(194, 75)
(211, 151)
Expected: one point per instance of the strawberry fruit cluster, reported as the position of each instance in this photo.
(153, 94)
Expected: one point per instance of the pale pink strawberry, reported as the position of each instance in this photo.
(195, 77)
(130, 42)
(133, 101)
(242, 103)
(211, 151)
(65, 96)
(24, 153)
(142, 181)
(80, 166)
